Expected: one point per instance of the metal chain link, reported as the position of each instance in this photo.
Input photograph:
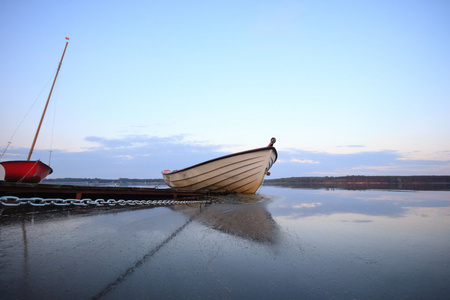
(13, 201)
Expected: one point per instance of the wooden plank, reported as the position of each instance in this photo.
(79, 192)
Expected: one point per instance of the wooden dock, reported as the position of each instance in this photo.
(95, 192)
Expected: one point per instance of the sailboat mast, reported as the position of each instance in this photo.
(46, 104)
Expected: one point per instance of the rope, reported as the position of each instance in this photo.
(21, 179)
(6, 148)
(23, 119)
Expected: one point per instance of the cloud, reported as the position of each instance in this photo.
(298, 163)
(136, 156)
(141, 156)
(377, 168)
(351, 146)
(124, 156)
(304, 161)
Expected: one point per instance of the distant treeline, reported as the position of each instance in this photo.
(365, 182)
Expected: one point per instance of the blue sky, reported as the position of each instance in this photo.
(346, 87)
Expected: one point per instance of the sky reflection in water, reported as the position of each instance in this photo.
(281, 244)
(394, 203)
(371, 243)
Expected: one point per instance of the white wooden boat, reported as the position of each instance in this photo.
(241, 172)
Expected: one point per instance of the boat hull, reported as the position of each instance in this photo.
(241, 172)
(24, 171)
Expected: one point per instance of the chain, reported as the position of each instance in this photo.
(13, 201)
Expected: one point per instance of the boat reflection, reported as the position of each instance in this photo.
(250, 221)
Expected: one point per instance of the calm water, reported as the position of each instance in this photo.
(281, 244)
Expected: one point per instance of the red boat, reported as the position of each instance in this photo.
(28, 171)
(24, 171)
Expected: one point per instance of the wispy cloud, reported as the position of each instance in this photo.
(140, 156)
(303, 161)
(386, 162)
(351, 146)
(377, 168)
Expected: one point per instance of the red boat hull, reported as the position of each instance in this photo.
(24, 171)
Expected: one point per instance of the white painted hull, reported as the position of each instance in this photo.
(241, 172)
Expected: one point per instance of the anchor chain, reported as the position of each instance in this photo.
(13, 201)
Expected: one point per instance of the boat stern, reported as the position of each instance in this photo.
(24, 171)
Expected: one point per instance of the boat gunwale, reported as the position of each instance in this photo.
(223, 157)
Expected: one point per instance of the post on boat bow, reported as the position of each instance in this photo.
(272, 142)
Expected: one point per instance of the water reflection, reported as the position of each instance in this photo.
(250, 221)
(307, 202)
(351, 245)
